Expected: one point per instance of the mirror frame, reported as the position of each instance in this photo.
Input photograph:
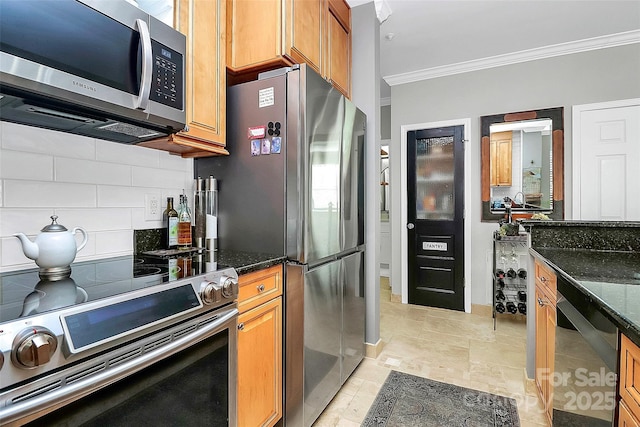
(557, 118)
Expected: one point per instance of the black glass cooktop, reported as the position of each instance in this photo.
(23, 293)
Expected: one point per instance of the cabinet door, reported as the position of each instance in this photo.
(204, 22)
(338, 51)
(254, 36)
(304, 32)
(260, 365)
(550, 319)
(625, 419)
(541, 343)
(501, 159)
(630, 375)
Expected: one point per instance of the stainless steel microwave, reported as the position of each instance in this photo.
(98, 68)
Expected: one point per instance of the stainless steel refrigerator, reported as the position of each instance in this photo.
(293, 185)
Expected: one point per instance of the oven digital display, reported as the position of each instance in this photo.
(91, 327)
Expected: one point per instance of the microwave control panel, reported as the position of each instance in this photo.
(168, 76)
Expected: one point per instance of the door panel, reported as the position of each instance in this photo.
(609, 155)
(435, 159)
(322, 326)
(325, 112)
(353, 313)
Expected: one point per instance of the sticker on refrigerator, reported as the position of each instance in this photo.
(266, 97)
(255, 147)
(256, 132)
(276, 144)
(266, 146)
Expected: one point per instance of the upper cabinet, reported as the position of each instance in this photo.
(270, 34)
(203, 23)
(501, 159)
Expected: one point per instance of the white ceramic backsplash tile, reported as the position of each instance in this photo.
(158, 178)
(38, 166)
(36, 140)
(76, 170)
(131, 155)
(27, 221)
(94, 184)
(38, 194)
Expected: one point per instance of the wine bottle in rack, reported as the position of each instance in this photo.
(522, 273)
(500, 273)
(522, 296)
(511, 308)
(500, 295)
(522, 308)
(500, 307)
(500, 283)
(511, 273)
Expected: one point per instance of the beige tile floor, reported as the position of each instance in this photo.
(442, 345)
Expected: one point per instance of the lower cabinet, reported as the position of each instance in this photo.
(545, 294)
(259, 384)
(629, 383)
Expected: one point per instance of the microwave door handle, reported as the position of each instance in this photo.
(147, 65)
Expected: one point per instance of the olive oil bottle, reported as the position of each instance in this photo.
(184, 224)
(170, 221)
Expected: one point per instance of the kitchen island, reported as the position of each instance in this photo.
(587, 321)
(601, 259)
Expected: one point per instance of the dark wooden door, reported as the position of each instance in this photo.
(435, 184)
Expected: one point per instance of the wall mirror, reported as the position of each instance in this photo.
(522, 158)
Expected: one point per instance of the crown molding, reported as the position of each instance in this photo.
(585, 45)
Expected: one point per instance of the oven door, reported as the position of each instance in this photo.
(584, 377)
(189, 381)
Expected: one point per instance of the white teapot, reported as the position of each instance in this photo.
(54, 247)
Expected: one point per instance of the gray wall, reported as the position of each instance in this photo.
(365, 93)
(385, 122)
(582, 78)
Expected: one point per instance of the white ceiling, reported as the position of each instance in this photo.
(428, 34)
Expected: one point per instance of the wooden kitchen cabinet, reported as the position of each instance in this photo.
(501, 159)
(268, 34)
(260, 347)
(203, 22)
(545, 294)
(629, 385)
(625, 419)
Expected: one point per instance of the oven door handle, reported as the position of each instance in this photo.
(71, 392)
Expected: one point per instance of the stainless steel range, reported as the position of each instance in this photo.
(121, 341)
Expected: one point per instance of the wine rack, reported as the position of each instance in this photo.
(509, 275)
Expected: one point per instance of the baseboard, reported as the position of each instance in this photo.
(396, 298)
(482, 310)
(372, 351)
(529, 383)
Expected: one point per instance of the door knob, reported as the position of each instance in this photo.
(410, 226)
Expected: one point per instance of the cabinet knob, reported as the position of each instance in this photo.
(541, 303)
(241, 326)
(261, 288)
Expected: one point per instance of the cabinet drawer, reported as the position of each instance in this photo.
(258, 287)
(630, 375)
(546, 278)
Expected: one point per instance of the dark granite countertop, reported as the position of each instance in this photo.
(610, 278)
(246, 262)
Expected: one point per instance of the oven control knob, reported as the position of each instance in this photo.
(33, 347)
(229, 287)
(210, 292)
